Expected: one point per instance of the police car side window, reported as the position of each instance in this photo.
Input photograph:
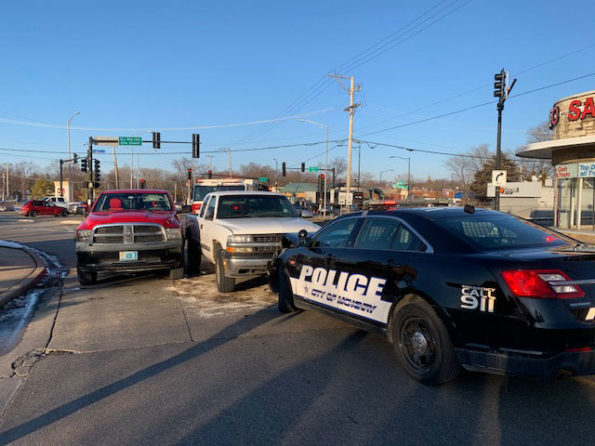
(337, 235)
(405, 240)
(377, 234)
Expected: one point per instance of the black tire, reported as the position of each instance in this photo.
(224, 284)
(176, 273)
(285, 303)
(422, 344)
(32, 213)
(194, 257)
(86, 277)
(64, 213)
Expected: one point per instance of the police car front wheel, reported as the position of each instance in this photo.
(422, 344)
(285, 303)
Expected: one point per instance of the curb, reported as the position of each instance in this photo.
(28, 282)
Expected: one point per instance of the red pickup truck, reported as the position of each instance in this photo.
(130, 231)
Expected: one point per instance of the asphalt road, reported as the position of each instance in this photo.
(144, 360)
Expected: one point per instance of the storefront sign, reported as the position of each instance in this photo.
(521, 189)
(567, 171)
(577, 110)
(586, 170)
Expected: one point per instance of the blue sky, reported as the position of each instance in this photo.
(137, 66)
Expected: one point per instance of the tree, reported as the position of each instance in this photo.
(539, 168)
(484, 176)
(41, 188)
(463, 168)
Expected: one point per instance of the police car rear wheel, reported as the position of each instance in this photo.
(422, 344)
(285, 303)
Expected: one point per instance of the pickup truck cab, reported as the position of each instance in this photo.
(130, 231)
(241, 230)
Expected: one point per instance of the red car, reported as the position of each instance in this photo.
(130, 231)
(33, 208)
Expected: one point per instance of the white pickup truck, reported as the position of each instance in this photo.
(241, 230)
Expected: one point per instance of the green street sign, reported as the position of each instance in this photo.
(263, 179)
(313, 169)
(130, 141)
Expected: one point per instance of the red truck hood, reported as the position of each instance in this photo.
(164, 218)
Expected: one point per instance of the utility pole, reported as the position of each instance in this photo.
(229, 151)
(116, 167)
(90, 164)
(351, 109)
(501, 92)
(210, 157)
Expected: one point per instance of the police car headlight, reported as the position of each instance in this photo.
(173, 233)
(239, 239)
(84, 235)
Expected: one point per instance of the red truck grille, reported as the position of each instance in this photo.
(128, 234)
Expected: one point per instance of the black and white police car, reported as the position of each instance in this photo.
(450, 288)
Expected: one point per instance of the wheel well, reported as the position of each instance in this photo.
(413, 298)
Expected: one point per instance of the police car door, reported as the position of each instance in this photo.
(318, 273)
(374, 268)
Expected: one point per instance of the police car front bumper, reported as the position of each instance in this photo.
(528, 364)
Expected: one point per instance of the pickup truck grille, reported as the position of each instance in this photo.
(267, 238)
(128, 234)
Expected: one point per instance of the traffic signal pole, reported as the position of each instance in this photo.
(90, 164)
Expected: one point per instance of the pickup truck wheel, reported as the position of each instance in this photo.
(224, 284)
(285, 303)
(176, 273)
(194, 257)
(86, 277)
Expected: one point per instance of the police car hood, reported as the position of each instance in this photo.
(268, 225)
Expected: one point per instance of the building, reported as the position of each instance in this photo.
(572, 152)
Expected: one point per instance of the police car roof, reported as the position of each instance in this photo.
(432, 213)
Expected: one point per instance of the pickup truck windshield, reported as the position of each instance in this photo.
(249, 206)
(133, 201)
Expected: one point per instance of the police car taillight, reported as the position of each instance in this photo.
(541, 284)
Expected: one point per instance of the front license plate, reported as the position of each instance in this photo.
(128, 255)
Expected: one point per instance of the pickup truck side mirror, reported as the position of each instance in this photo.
(186, 209)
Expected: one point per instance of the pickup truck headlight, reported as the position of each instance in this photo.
(84, 235)
(173, 233)
(239, 239)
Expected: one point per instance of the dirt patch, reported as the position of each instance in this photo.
(201, 293)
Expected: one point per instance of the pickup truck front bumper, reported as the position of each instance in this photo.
(236, 266)
(151, 256)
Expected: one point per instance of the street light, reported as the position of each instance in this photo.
(325, 127)
(408, 175)
(381, 172)
(276, 168)
(69, 156)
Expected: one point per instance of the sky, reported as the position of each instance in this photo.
(242, 74)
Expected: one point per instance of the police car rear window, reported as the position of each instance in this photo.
(501, 232)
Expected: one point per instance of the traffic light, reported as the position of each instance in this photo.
(84, 162)
(210, 174)
(143, 184)
(97, 170)
(303, 167)
(195, 145)
(189, 173)
(321, 182)
(283, 169)
(156, 140)
(75, 158)
(500, 84)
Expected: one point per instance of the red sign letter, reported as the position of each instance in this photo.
(589, 108)
(574, 112)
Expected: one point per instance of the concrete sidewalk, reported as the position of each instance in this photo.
(20, 270)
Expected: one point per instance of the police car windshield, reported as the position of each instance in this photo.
(200, 192)
(249, 206)
(497, 232)
(133, 202)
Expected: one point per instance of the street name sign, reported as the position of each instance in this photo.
(313, 169)
(130, 141)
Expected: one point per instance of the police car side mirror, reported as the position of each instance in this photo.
(303, 239)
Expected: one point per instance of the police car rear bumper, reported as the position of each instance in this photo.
(528, 364)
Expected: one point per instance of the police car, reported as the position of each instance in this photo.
(450, 288)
